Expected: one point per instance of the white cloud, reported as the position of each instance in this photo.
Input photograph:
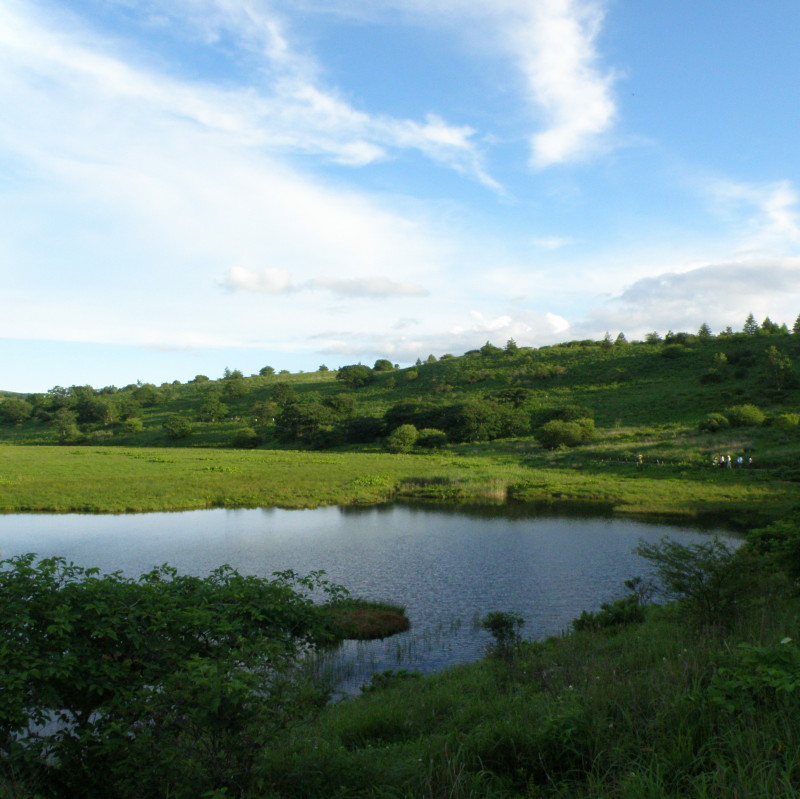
(527, 328)
(776, 219)
(720, 294)
(268, 281)
(559, 58)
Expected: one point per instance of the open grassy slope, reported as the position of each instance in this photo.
(649, 454)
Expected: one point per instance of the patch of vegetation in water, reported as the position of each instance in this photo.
(359, 619)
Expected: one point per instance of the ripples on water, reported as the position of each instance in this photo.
(447, 566)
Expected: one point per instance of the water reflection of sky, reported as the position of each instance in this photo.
(447, 568)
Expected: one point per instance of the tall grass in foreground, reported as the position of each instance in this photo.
(643, 711)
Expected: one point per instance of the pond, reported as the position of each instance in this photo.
(448, 566)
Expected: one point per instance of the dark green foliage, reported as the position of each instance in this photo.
(13, 411)
(759, 677)
(569, 413)
(381, 680)
(505, 629)
(779, 544)
(177, 427)
(163, 686)
(704, 332)
(712, 376)
(383, 365)
(246, 438)
(363, 429)
(768, 327)
(235, 388)
(148, 395)
(134, 424)
(263, 412)
(672, 351)
(430, 438)
(514, 396)
(780, 365)
(212, 410)
(401, 439)
(750, 326)
(299, 421)
(627, 610)
(342, 404)
(474, 420)
(714, 422)
(283, 393)
(708, 579)
(556, 433)
(65, 423)
(685, 339)
(355, 375)
(420, 413)
(266, 371)
(786, 421)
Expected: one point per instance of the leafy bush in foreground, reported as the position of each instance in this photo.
(163, 686)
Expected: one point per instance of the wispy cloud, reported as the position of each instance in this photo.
(553, 45)
(278, 281)
(371, 287)
(773, 216)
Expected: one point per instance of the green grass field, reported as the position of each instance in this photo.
(118, 480)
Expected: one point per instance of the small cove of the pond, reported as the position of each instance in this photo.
(448, 566)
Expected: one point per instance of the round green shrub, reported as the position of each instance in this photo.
(786, 421)
(556, 434)
(133, 425)
(401, 439)
(714, 422)
(177, 427)
(745, 416)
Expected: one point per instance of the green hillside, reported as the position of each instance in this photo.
(478, 397)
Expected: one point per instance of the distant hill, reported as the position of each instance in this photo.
(484, 395)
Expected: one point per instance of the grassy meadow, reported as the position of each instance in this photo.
(121, 480)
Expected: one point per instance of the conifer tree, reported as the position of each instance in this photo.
(750, 325)
(704, 331)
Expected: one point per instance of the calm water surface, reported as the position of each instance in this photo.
(447, 566)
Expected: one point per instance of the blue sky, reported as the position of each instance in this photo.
(197, 184)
